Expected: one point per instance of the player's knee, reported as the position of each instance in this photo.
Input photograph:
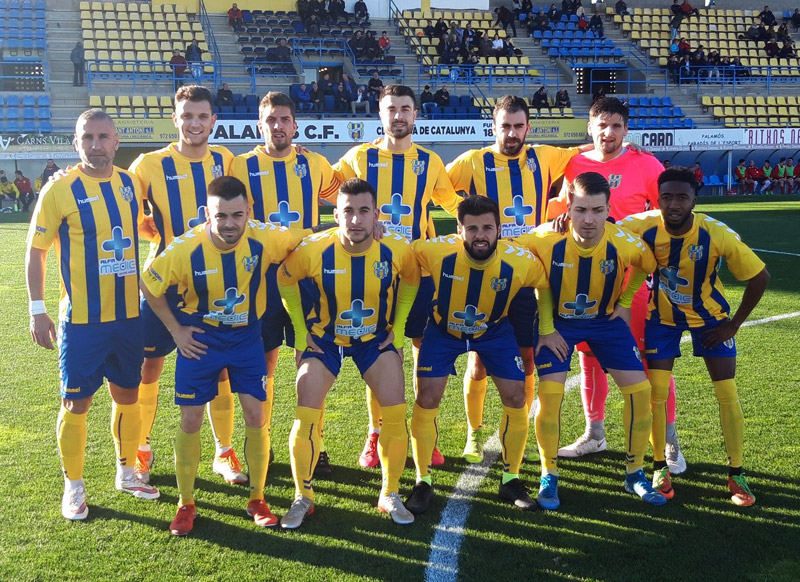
(77, 406)
(475, 368)
(428, 394)
(514, 399)
(191, 418)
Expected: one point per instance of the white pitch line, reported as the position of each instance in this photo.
(443, 561)
(777, 252)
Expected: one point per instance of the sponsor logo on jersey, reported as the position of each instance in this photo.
(472, 318)
(117, 245)
(669, 281)
(334, 271)
(578, 308)
(88, 200)
(228, 315)
(356, 316)
(176, 177)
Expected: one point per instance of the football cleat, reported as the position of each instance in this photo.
(393, 505)
(230, 467)
(144, 462)
(585, 445)
(300, 508)
(515, 492)
(675, 459)
(420, 498)
(323, 468)
(740, 490)
(135, 486)
(437, 458)
(369, 456)
(662, 482)
(184, 520)
(261, 514)
(73, 504)
(473, 450)
(638, 484)
(548, 492)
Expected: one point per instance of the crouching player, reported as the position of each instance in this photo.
(219, 268)
(586, 267)
(688, 295)
(475, 277)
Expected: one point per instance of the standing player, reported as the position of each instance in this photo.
(476, 277)
(633, 179)
(175, 179)
(365, 289)
(284, 188)
(688, 295)
(586, 267)
(219, 268)
(91, 214)
(407, 178)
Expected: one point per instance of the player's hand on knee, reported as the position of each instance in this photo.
(555, 343)
(187, 344)
(43, 330)
(720, 334)
(623, 313)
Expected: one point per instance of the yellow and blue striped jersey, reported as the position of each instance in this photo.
(175, 189)
(406, 182)
(286, 191)
(520, 185)
(470, 298)
(93, 225)
(587, 283)
(355, 294)
(687, 290)
(221, 287)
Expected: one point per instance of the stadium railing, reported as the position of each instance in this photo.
(209, 32)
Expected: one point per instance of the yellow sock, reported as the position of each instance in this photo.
(304, 449)
(71, 437)
(187, 457)
(256, 455)
(637, 421)
(220, 415)
(659, 380)
(148, 405)
(270, 396)
(424, 433)
(373, 410)
(548, 424)
(513, 437)
(126, 425)
(321, 428)
(393, 446)
(530, 390)
(732, 419)
(474, 399)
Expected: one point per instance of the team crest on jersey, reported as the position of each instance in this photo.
(127, 193)
(250, 263)
(418, 167)
(216, 171)
(531, 163)
(614, 180)
(607, 267)
(381, 269)
(695, 252)
(300, 170)
(355, 129)
(499, 284)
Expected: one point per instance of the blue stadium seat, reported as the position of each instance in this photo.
(43, 113)
(28, 113)
(12, 126)
(28, 101)
(45, 126)
(29, 126)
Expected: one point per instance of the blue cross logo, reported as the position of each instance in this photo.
(357, 314)
(470, 315)
(232, 299)
(397, 210)
(580, 305)
(117, 243)
(519, 211)
(670, 275)
(200, 219)
(284, 216)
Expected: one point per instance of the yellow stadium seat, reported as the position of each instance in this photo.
(109, 101)
(165, 102)
(137, 101)
(94, 100)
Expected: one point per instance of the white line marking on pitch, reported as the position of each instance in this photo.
(777, 252)
(443, 561)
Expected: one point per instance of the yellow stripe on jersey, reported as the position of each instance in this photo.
(688, 290)
(520, 185)
(470, 298)
(175, 189)
(406, 182)
(286, 191)
(586, 283)
(93, 224)
(221, 287)
(354, 294)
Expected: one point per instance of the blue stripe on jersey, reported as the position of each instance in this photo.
(611, 279)
(491, 177)
(115, 220)
(515, 177)
(229, 278)
(472, 190)
(308, 192)
(218, 161)
(127, 182)
(540, 191)
(675, 249)
(90, 254)
(199, 178)
(200, 282)
(281, 189)
(386, 283)
(700, 271)
(63, 239)
(422, 181)
(256, 250)
(649, 237)
(329, 289)
(398, 180)
(372, 167)
(473, 298)
(715, 294)
(173, 196)
(358, 282)
(444, 290)
(557, 272)
(501, 297)
(253, 171)
(583, 285)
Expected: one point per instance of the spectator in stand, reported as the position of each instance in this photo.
(23, 185)
(795, 19)
(674, 68)
(787, 51)
(178, 64)
(194, 54)
(384, 43)
(583, 24)
(360, 101)
(580, 10)
(426, 101)
(767, 17)
(755, 175)
(313, 24)
(361, 13)
(666, 164)
(442, 97)
(326, 85)
(505, 18)
(304, 10)
(468, 38)
(540, 100)
(235, 16)
(675, 8)
(698, 177)
(599, 93)
(375, 87)
(337, 10)
(621, 8)
(740, 175)
(283, 51)
(357, 45)
(317, 97)
(769, 177)
(497, 46)
(783, 33)
(688, 10)
(675, 26)
(441, 28)
(753, 33)
(738, 68)
(674, 49)
(771, 47)
(303, 99)
(684, 48)
(596, 25)
(553, 13)
(566, 7)
(342, 99)
(49, 169)
(485, 46)
(349, 85)
(224, 96)
(78, 59)
(371, 47)
(562, 99)
(429, 30)
(713, 62)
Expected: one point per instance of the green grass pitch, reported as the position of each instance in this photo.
(601, 533)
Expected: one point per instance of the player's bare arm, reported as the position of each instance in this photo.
(727, 329)
(182, 334)
(43, 330)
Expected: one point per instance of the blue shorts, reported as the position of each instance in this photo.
(522, 316)
(276, 325)
(237, 350)
(363, 354)
(663, 342)
(497, 348)
(93, 351)
(418, 316)
(158, 341)
(610, 340)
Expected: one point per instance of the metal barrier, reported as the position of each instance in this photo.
(147, 73)
(209, 32)
(489, 75)
(740, 77)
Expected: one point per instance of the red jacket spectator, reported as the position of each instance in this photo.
(235, 16)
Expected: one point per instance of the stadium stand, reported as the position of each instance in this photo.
(757, 111)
